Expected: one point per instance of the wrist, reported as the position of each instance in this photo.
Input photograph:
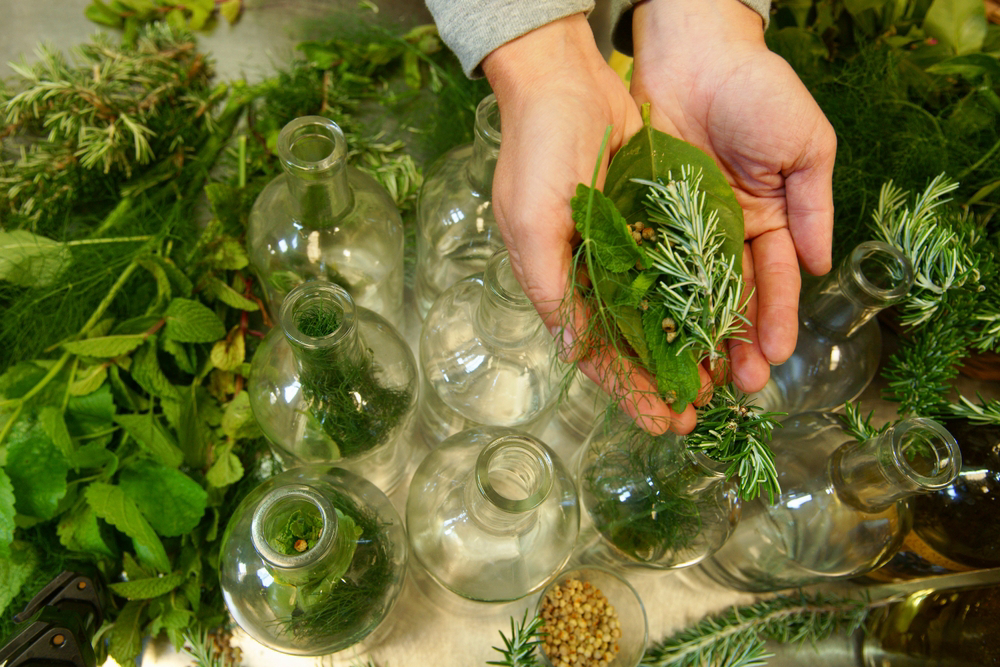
(690, 29)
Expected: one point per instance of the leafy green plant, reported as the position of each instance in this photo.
(131, 15)
(521, 648)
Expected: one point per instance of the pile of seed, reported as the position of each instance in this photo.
(581, 627)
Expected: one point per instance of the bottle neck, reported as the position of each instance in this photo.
(505, 316)
(295, 531)
(873, 277)
(698, 474)
(313, 154)
(320, 322)
(485, 147)
(916, 455)
(514, 474)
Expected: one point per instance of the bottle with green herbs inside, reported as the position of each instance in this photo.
(655, 502)
(492, 514)
(456, 230)
(324, 220)
(839, 343)
(842, 510)
(335, 382)
(486, 357)
(312, 561)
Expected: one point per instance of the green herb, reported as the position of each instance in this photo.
(212, 649)
(860, 427)
(521, 649)
(131, 15)
(986, 412)
(299, 534)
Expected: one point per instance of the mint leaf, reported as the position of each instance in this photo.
(94, 455)
(88, 380)
(607, 231)
(14, 571)
(30, 260)
(226, 470)
(91, 414)
(676, 370)
(237, 421)
(154, 439)
(227, 295)
(229, 353)
(51, 420)
(37, 471)
(126, 634)
(172, 502)
(7, 513)
(112, 505)
(79, 531)
(104, 347)
(180, 282)
(145, 589)
(636, 292)
(184, 360)
(192, 322)
(146, 371)
(959, 24)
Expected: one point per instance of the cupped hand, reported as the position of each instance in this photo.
(557, 96)
(709, 78)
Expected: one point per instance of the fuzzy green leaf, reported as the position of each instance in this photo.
(959, 24)
(607, 230)
(37, 471)
(146, 589)
(653, 155)
(226, 470)
(88, 380)
(180, 282)
(126, 634)
(192, 322)
(676, 370)
(227, 295)
(229, 254)
(172, 502)
(153, 437)
(114, 506)
(14, 571)
(7, 513)
(627, 318)
(634, 294)
(30, 260)
(146, 371)
(105, 347)
(79, 531)
(50, 418)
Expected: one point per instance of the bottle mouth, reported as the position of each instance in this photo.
(311, 145)
(515, 473)
(883, 274)
(488, 121)
(270, 526)
(500, 281)
(926, 452)
(317, 314)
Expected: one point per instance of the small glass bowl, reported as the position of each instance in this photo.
(625, 600)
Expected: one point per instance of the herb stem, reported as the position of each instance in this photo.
(117, 239)
(109, 297)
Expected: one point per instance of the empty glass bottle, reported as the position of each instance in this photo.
(842, 509)
(335, 382)
(312, 561)
(487, 359)
(324, 220)
(583, 403)
(839, 344)
(654, 501)
(456, 230)
(492, 514)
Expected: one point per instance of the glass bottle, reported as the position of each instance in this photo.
(335, 382)
(486, 357)
(842, 509)
(324, 220)
(582, 404)
(492, 514)
(312, 561)
(456, 230)
(941, 541)
(839, 344)
(655, 502)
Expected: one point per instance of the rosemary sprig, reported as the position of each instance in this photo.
(860, 427)
(212, 649)
(520, 650)
(986, 412)
(736, 638)
(702, 291)
(732, 429)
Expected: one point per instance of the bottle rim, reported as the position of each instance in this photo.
(318, 294)
(501, 283)
(325, 150)
(897, 265)
(274, 501)
(488, 121)
(945, 455)
(534, 461)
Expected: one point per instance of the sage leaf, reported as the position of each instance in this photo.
(111, 504)
(30, 260)
(606, 230)
(152, 437)
(37, 471)
(79, 530)
(14, 572)
(172, 502)
(959, 24)
(105, 347)
(192, 322)
(146, 589)
(7, 513)
(676, 369)
(126, 634)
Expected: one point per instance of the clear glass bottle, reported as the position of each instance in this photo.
(839, 342)
(324, 220)
(655, 502)
(941, 542)
(334, 382)
(312, 561)
(486, 357)
(456, 230)
(492, 514)
(581, 405)
(842, 509)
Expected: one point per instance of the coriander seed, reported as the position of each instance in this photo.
(581, 627)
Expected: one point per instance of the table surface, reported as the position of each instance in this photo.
(428, 625)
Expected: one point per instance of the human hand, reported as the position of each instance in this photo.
(709, 78)
(557, 96)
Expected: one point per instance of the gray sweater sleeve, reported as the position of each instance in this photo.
(473, 28)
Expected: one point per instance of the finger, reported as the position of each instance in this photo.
(750, 368)
(809, 201)
(776, 274)
(708, 383)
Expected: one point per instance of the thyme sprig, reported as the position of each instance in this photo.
(521, 649)
(736, 638)
(732, 429)
(986, 412)
(703, 291)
